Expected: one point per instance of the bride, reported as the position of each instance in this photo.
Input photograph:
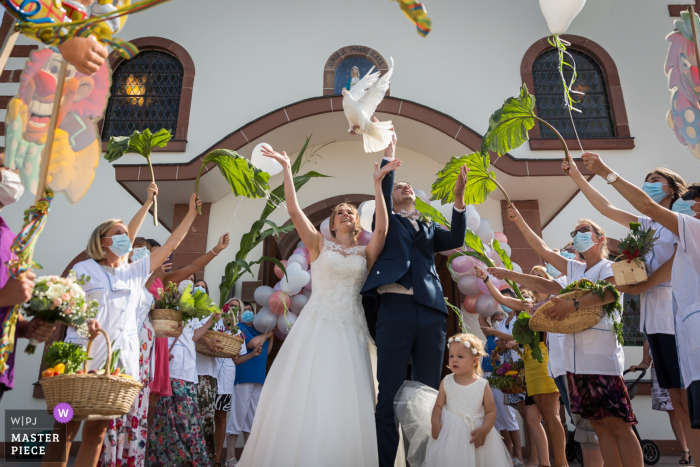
(317, 404)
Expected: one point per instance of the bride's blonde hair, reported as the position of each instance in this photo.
(474, 343)
(331, 223)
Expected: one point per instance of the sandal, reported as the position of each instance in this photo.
(517, 463)
(683, 461)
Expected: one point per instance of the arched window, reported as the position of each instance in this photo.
(594, 120)
(337, 72)
(602, 124)
(145, 94)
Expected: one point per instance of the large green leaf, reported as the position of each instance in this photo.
(138, 142)
(473, 241)
(502, 254)
(281, 230)
(243, 177)
(297, 162)
(116, 148)
(480, 181)
(508, 126)
(429, 211)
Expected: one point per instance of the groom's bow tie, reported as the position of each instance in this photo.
(413, 216)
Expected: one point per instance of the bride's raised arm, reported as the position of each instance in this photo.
(381, 221)
(307, 232)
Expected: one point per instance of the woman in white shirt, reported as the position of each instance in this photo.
(594, 359)
(684, 224)
(116, 284)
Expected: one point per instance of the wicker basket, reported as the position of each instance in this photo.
(231, 344)
(575, 321)
(166, 323)
(630, 273)
(93, 397)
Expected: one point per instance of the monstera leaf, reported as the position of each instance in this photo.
(508, 126)
(139, 143)
(480, 182)
(243, 177)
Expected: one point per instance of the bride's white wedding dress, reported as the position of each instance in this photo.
(317, 403)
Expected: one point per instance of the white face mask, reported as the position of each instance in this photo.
(11, 187)
(183, 285)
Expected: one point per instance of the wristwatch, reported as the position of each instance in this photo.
(576, 304)
(486, 280)
(611, 178)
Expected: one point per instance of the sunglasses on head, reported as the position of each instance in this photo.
(585, 229)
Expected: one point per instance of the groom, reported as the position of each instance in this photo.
(412, 317)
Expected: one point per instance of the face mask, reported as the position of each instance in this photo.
(183, 285)
(11, 187)
(654, 191)
(552, 271)
(567, 255)
(583, 241)
(247, 316)
(121, 245)
(201, 289)
(506, 309)
(140, 253)
(682, 206)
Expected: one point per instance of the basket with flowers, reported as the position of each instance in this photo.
(629, 267)
(508, 377)
(227, 333)
(175, 308)
(60, 299)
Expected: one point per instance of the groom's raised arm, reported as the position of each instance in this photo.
(388, 180)
(453, 238)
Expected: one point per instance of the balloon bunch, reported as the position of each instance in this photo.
(282, 303)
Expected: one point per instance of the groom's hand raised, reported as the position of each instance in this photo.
(460, 185)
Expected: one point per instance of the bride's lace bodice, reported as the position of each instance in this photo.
(465, 401)
(338, 275)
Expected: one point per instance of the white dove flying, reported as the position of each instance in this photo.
(359, 105)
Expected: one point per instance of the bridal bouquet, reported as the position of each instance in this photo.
(60, 299)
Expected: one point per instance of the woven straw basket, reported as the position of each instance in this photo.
(630, 273)
(232, 345)
(166, 323)
(519, 384)
(93, 397)
(576, 321)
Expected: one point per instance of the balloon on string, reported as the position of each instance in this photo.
(326, 229)
(278, 301)
(473, 219)
(484, 233)
(469, 285)
(277, 287)
(462, 264)
(559, 14)
(501, 237)
(301, 251)
(306, 292)
(262, 295)
(483, 287)
(264, 320)
(485, 223)
(369, 204)
(422, 195)
(300, 259)
(366, 219)
(279, 334)
(295, 291)
(486, 305)
(470, 303)
(285, 323)
(278, 272)
(296, 278)
(446, 210)
(517, 268)
(364, 237)
(506, 248)
(308, 286)
(298, 302)
(266, 164)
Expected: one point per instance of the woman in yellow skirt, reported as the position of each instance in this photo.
(540, 386)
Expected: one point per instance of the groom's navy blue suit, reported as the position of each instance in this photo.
(408, 326)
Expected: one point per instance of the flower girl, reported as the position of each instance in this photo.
(459, 431)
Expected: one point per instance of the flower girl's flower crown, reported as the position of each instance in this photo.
(465, 342)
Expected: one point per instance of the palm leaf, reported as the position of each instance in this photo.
(297, 162)
(508, 126)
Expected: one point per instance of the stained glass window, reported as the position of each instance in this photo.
(594, 120)
(145, 94)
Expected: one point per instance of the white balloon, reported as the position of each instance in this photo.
(560, 13)
(422, 195)
(366, 218)
(370, 204)
(285, 322)
(505, 247)
(265, 320)
(326, 229)
(296, 278)
(306, 292)
(486, 305)
(301, 244)
(262, 295)
(446, 210)
(485, 223)
(469, 285)
(473, 220)
(517, 268)
(298, 303)
(485, 234)
(297, 258)
(266, 164)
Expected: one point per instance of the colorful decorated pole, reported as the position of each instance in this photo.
(694, 28)
(7, 48)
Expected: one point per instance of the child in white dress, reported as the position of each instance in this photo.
(460, 430)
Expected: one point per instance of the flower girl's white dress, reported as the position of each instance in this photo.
(462, 414)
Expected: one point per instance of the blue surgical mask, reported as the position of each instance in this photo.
(247, 316)
(552, 271)
(583, 241)
(567, 255)
(140, 253)
(682, 206)
(654, 191)
(121, 244)
(506, 309)
(201, 289)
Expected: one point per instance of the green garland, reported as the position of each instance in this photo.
(611, 309)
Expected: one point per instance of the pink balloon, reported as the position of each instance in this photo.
(277, 302)
(501, 237)
(279, 335)
(493, 254)
(483, 287)
(278, 271)
(462, 264)
(470, 303)
(363, 238)
(300, 251)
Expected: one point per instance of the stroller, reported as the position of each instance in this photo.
(650, 450)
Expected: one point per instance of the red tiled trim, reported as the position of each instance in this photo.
(623, 138)
(341, 54)
(179, 141)
(321, 105)
(674, 11)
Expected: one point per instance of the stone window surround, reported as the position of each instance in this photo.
(341, 54)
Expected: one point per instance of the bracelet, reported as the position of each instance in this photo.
(486, 280)
(214, 253)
